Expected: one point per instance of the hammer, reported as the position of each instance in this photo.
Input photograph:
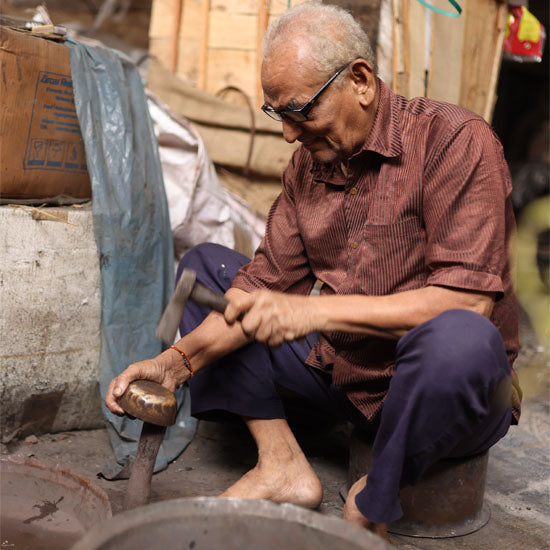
(153, 403)
(157, 407)
(187, 288)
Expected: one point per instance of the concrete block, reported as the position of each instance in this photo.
(50, 303)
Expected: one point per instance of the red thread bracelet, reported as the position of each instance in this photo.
(185, 359)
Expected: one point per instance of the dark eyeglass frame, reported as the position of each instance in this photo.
(301, 114)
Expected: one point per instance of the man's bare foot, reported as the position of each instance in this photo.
(286, 477)
(353, 515)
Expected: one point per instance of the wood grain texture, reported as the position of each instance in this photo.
(445, 67)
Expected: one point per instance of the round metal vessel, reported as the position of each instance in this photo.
(45, 507)
(208, 523)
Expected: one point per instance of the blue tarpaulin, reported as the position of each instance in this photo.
(132, 232)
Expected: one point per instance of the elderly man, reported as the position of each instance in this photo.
(400, 210)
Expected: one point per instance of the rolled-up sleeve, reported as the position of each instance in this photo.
(467, 184)
(280, 262)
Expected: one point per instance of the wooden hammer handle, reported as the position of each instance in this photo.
(203, 295)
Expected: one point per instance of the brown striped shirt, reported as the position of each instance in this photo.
(424, 202)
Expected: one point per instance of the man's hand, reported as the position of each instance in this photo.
(167, 369)
(272, 317)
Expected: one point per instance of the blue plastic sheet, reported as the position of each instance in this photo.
(132, 232)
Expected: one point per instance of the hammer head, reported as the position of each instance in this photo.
(171, 318)
(150, 402)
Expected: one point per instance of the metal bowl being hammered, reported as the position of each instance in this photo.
(207, 523)
(45, 507)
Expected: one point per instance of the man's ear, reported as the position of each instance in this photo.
(364, 81)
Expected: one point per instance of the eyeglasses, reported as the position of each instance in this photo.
(300, 115)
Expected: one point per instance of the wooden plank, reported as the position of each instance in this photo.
(263, 18)
(175, 36)
(399, 80)
(416, 49)
(445, 68)
(229, 30)
(242, 7)
(232, 68)
(478, 53)
(189, 40)
(208, 29)
(161, 34)
(202, 107)
(260, 195)
(270, 155)
(502, 17)
(203, 49)
(280, 6)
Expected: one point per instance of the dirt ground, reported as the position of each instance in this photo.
(518, 485)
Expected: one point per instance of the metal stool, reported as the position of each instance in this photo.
(446, 502)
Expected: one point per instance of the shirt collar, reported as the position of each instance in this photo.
(384, 137)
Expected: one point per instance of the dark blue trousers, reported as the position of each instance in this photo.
(449, 396)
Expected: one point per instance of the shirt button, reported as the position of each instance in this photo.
(353, 191)
(354, 245)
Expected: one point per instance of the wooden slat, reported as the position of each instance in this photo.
(232, 68)
(233, 31)
(502, 17)
(260, 195)
(399, 80)
(203, 49)
(465, 53)
(416, 48)
(280, 6)
(189, 40)
(263, 17)
(161, 34)
(202, 107)
(175, 36)
(234, 6)
(231, 149)
(445, 68)
(478, 53)
(207, 30)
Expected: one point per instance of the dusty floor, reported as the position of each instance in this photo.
(518, 487)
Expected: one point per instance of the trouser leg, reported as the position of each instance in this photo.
(244, 382)
(449, 396)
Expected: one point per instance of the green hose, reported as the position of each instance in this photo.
(455, 5)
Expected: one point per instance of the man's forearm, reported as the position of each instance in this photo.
(212, 339)
(394, 315)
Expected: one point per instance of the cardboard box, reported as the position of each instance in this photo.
(41, 149)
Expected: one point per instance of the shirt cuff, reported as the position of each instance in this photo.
(458, 277)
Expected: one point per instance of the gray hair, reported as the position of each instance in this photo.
(334, 36)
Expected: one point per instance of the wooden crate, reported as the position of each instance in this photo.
(463, 59)
(214, 43)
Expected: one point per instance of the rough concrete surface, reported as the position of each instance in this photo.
(49, 322)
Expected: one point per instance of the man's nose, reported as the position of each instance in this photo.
(291, 130)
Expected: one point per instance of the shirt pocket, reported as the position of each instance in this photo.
(392, 258)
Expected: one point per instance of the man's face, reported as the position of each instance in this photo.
(329, 134)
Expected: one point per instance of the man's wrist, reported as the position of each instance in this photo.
(182, 361)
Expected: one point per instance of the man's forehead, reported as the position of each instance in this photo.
(286, 78)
